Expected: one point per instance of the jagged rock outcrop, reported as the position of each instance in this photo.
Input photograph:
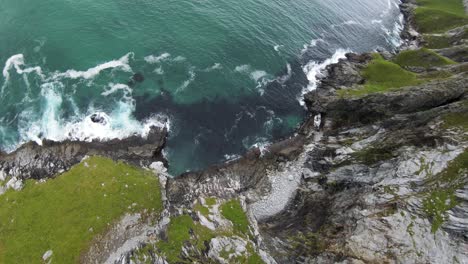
(38, 162)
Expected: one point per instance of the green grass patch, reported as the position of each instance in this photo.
(254, 258)
(210, 201)
(421, 58)
(458, 120)
(440, 41)
(437, 16)
(177, 233)
(202, 209)
(250, 257)
(65, 213)
(232, 210)
(436, 206)
(437, 42)
(205, 209)
(381, 76)
(182, 229)
(435, 75)
(452, 6)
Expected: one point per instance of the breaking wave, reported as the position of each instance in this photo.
(51, 120)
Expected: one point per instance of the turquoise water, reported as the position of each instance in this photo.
(223, 75)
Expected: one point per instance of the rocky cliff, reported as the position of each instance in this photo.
(378, 173)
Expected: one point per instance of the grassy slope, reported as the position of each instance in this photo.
(64, 214)
(232, 210)
(421, 58)
(437, 16)
(382, 75)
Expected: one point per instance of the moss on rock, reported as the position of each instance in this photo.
(440, 198)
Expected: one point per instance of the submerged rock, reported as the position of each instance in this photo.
(98, 118)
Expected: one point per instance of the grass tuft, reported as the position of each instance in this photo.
(177, 233)
(232, 210)
(457, 120)
(181, 230)
(436, 205)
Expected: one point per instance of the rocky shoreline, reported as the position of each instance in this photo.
(360, 181)
(33, 161)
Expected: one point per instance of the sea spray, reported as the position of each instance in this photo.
(314, 70)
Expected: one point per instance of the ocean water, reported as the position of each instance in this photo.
(224, 76)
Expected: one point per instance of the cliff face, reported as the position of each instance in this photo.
(384, 179)
(378, 173)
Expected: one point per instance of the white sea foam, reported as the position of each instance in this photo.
(40, 43)
(119, 123)
(262, 146)
(242, 68)
(187, 82)
(121, 63)
(155, 59)
(278, 47)
(314, 71)
(50, 122)
(159, 70)
(116, 87)
(16, 62)
(179, 59)
(216, 66)
(346, 23)
(393, 35)
(288, 75)
(257, 75)
(386, 11)
(232, 157)
(313, 43)
(350, 22)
